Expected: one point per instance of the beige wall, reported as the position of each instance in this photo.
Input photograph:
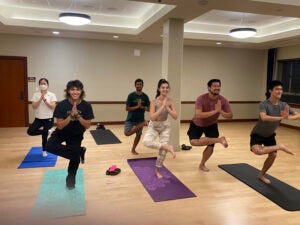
(108, 70)
(242, 72)
(290, 52)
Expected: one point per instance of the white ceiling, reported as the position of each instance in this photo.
(206, 21)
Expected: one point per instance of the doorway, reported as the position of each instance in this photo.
(13, 91)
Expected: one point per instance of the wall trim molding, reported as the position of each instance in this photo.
(188, 121)
(182, 102)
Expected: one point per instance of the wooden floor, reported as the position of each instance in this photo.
(221, 199)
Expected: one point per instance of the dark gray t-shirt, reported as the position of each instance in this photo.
(267, 128)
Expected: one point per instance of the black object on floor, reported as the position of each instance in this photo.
(114, 172)
(186, 147)
(282, 194)
(103, 137)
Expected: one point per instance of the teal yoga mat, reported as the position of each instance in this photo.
(54, 200)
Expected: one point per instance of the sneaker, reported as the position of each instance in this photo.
(50, 131)
(44, 154)
(70, 182)
(82, 155)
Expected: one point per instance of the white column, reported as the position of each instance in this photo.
(172, 54)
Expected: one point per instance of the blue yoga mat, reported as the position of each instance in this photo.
(34, 159)
(55, 200)
(167, 188)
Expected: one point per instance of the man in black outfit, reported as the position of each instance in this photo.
(73, 116)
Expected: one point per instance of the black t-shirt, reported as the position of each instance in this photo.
(64, 108)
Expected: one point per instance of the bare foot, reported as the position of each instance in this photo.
(263, 179)
(171, 150)
(133, 129)
(203, 168)
(283, 148)
(224, 142)
(134, 152)
(159, 176)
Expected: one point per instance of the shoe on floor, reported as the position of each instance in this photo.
(113, 170)
(45, 154)
(185, 147)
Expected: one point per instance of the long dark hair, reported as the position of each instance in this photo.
(76, 84)
(160, 82)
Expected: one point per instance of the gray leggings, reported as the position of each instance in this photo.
(159, 129)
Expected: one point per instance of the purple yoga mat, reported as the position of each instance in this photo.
(167, 188)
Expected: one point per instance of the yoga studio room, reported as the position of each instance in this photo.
(147, 112)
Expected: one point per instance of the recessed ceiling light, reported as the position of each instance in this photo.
(115, 36)
(242, 32)
(55, 32)
(219, 43)
(75, 19)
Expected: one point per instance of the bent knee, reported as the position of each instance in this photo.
(147, 143)
(194, 142)
(257, 149)
(126, 133)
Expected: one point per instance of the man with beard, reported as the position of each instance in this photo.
(208, 108)
(136, 104)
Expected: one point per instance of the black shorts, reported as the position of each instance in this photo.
(256, 139)
(195, 132)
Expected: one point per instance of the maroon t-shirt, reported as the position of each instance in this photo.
(207, 104)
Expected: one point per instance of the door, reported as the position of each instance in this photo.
(13, 91)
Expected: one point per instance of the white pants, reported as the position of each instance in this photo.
(159, 129)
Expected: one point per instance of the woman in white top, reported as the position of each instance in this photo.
(43, 103)
(159, 125)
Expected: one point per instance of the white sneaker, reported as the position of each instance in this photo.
(50, 131)
(45, 154)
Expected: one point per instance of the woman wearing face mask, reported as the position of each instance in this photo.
(43, 103)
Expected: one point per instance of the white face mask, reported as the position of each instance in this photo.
(43, 87)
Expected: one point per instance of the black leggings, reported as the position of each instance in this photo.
(71, 150)
(35, 129)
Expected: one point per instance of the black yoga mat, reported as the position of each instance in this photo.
(282, 194)
(103, 137)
